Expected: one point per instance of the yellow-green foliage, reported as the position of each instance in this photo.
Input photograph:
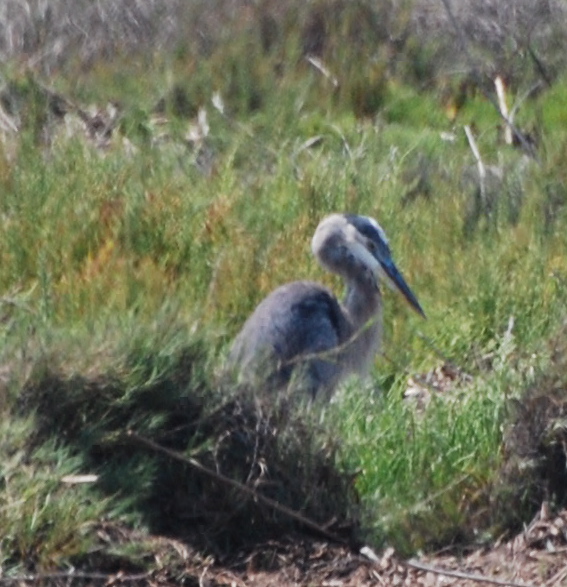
(187, 235)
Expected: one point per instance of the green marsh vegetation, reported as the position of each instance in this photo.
(131, 255)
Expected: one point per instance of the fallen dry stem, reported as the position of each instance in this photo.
(463, 575)
(109, 578)
(257, 497)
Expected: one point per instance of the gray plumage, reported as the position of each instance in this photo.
(302, 334)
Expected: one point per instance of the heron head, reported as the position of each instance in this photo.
(353, 246)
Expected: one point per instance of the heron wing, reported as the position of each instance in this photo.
(294, 324)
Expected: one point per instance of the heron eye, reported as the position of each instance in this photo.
(372, 246)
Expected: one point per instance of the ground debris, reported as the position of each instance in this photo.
(536, 556)
(298, 560)
(442, 379)
(525, 560)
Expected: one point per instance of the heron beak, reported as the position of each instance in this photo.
(388, 272)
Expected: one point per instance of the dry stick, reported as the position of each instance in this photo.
(559, 576)
(320, 67)
(332, 353)
(108, 578)
(540, 67)
(479, 162)
(519, 101)
(510, 115)
(369, 554)
(462, 575)
(503, 107)
(235, 484)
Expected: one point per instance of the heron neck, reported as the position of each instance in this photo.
(362, 301)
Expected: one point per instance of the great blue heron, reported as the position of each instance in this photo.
(301, 332)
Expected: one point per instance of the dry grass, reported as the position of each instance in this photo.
(490, 37)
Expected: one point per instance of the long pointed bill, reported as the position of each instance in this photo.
(389, 273)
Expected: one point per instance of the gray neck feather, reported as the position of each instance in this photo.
(363, 304)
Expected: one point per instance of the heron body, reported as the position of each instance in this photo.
(301, 333)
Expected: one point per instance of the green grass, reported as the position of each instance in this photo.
(423, 494)
(124, 277)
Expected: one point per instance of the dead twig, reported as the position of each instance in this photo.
(503, 107)
(257, 497)
(322, 69)
(540, 66)
(479, 163)
(414, 564)
(108, 578)
(331, 354)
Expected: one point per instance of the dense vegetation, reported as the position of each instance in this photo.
(137, 236)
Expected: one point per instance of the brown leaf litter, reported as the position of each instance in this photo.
(535, 557)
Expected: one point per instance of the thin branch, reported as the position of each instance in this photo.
(479, 163)
(320, 67)
(475, 151)
(523, 98)
(503, 107)
(414, 564)
(332, 353)
(540, 66)
(108, 578)
(423, 504)
(257, 497)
